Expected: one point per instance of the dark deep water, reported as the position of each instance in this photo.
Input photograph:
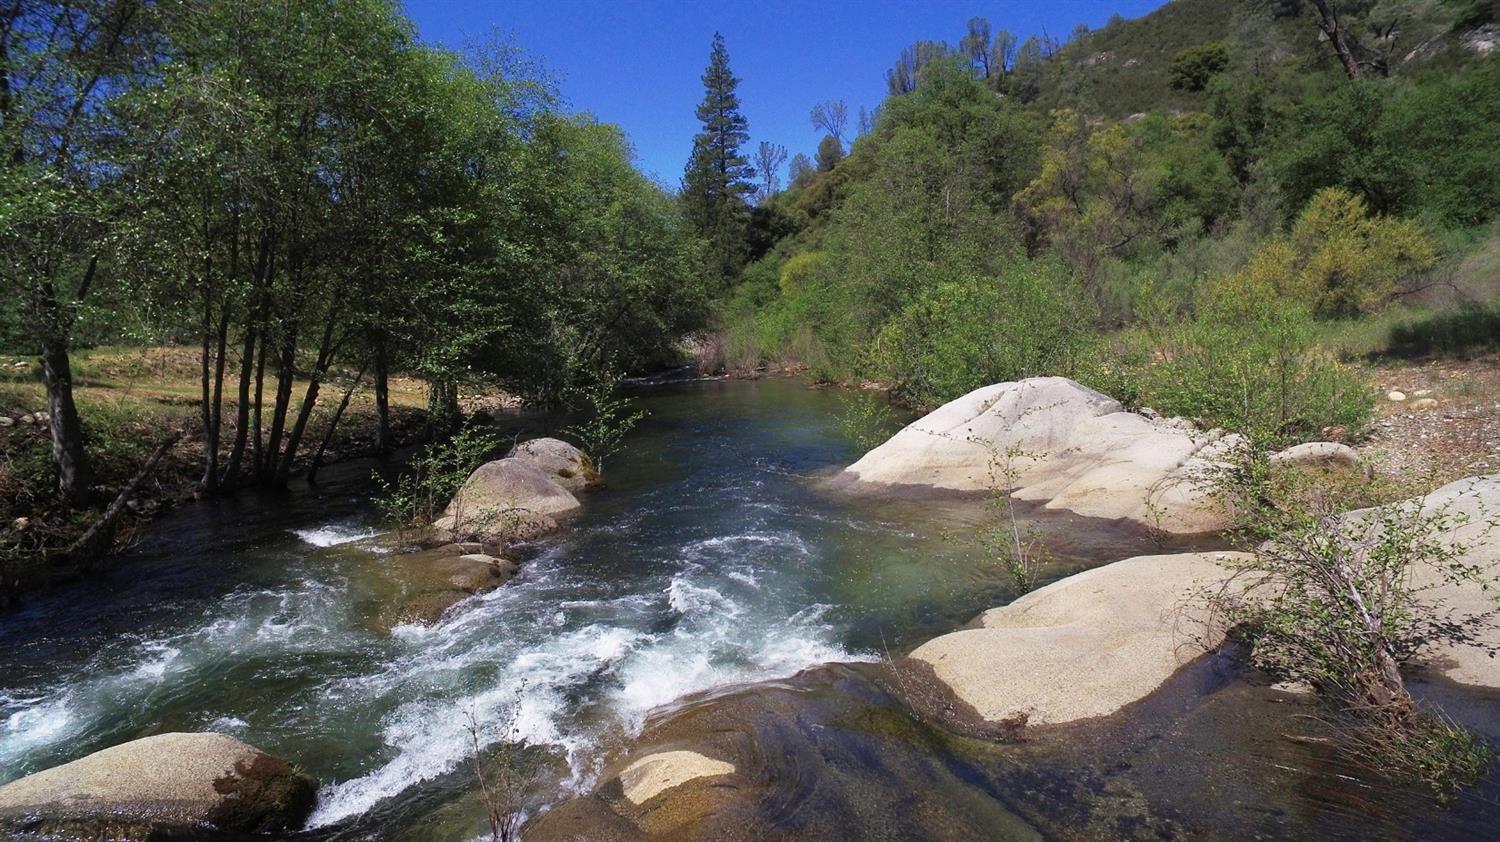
(709, 561)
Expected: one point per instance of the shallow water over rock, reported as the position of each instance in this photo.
(709, 560)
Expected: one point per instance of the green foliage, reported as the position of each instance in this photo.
(867, 419)
(1250, 364)
(973, 330)
(1193, 68)
(433, 477)
(1341, 603)
(608, 418)
(1339, 260)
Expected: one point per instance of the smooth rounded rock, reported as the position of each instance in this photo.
(654, 774)
(1055, 441)
(168, 783)
(1323, 454)
(566, 464)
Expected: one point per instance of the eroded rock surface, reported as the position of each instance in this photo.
(1084, 646)
(1054, 441)
(168, 783)
(430, 582)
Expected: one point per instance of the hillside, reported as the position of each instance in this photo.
(1124, 68)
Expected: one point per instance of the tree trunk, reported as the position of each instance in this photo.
(326, 350)
(317, 459)
(443, 414)
(1328, 21)
(382, 399)
(74, 475)
(96, 541)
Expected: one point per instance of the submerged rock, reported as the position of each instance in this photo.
(430, 582)
(169, 784)
(509, 499)
(564, 463)
(1084, 646)
(654, 774)
(1054, 441)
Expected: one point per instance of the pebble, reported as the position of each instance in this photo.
(20, 524)
(1421, 393)
(6, 421)
(28, 419)
(1396, 396)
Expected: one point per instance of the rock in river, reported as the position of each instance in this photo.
(1084, 646)
(1054, 441)
(566, 464)
(168, 785)
(428, 583)
(505, 500)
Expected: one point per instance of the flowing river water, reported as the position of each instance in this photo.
(709, 561)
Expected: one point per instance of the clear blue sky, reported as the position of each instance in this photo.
(638, 63)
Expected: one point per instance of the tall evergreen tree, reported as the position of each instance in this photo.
(717, 180)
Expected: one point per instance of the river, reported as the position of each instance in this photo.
(708, 561)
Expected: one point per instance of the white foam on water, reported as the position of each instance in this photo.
(127, 675)
(333, 534)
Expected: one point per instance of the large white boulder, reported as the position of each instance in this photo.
(1084, 646)
(1055, 441)
(169, 783)
(566, 464)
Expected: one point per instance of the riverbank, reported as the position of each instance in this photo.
(130, 399)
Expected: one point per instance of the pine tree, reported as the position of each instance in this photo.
(717, 180)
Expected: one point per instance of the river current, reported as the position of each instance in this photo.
(708, 561)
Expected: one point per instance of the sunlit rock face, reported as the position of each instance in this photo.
(165, 784)
(1054, 441)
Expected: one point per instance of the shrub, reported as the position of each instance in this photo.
(962, 334)
(1339, 260)
(1341, 602)
(1247, 363)
(1192, 68)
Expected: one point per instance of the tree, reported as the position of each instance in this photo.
(831, 117)
(717, 179)
(801, 171)
(903, 78)
(62, 64)
(768, 160)
(830, 152)
(1194, 67)
(977, 46)
(1026, 70)
(1333, 30)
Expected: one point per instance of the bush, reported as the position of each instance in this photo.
(1341, 602)
(1247, 363)
(1192, 68)
(1339, 260)
(965, 333)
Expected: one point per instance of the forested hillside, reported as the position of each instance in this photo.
(1192, 211)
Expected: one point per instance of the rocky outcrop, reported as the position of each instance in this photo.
(1084, 646)
(1054, 441)
(183, 784)
(429, 582)
(564, 463)
(506, 500)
